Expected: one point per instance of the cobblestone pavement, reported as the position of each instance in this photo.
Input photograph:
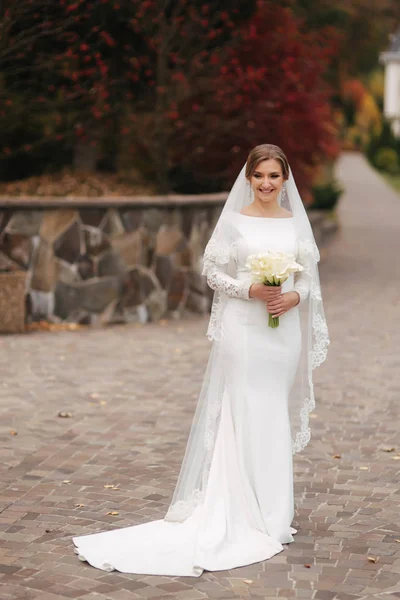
(131, 392)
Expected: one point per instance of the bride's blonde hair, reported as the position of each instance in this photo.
(265, 152)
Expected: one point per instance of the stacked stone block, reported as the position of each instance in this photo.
(116, 264)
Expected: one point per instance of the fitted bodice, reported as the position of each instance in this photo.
(240, 236)
(259, 234)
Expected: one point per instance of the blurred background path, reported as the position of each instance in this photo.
(119, 448)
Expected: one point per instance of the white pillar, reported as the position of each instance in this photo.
(392, 90)
(392, 94)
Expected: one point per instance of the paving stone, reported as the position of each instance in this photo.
(129, 428)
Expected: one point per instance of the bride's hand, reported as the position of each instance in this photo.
(266, 293)
(280, 305)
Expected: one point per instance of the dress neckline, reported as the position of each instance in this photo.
(266, 218)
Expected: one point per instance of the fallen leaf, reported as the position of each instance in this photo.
(46, 326)
(391, 449)
(64, 414)
(337, 456)
(398, 541)
(307, 566)
(110, 486)
(13, 432)
(372, 559)
(395, 457)
(70, 183)
(364, 468)
(79, 505)
(102, 402)
(248, 580)
(113, 513)
(67, 481)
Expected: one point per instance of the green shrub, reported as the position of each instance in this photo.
(326, 196)
(385, 139)
(387, 160)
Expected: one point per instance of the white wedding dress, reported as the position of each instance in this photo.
(248, 505)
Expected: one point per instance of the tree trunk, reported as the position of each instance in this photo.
(85, 156)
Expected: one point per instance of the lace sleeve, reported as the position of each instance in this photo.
(306, 256)
(219, 263)
(302, 285)
(218, 280)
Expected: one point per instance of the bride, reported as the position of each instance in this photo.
(233, 504)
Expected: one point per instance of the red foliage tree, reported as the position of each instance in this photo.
(188, 42)
(270, 89)
(93, 68)
(182, 87)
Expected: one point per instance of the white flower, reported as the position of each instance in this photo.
(272, 267)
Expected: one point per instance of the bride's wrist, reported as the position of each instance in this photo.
(253, 291)
(297, 296)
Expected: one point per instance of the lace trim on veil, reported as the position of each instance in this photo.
(220, 253)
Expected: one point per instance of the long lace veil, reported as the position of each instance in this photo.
(192, 481)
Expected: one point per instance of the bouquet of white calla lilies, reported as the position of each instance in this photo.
(272, 268)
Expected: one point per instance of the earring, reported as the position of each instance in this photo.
(283, 193)
(249, 187)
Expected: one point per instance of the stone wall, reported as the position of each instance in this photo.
(86, 264)
(103, 263)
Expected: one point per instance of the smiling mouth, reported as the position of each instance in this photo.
(265, 191)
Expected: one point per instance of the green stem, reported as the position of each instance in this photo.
(273, 321)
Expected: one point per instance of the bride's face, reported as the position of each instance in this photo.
(267, 181)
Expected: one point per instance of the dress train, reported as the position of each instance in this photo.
(221, 534)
